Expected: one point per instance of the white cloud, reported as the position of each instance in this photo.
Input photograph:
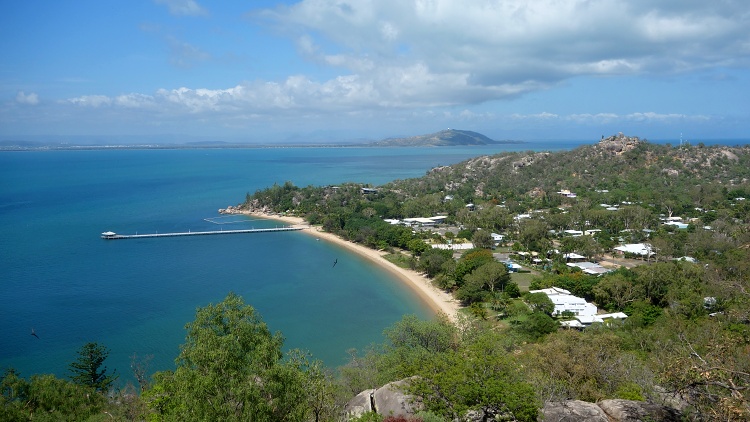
(427, 52)
(94, 101)
(28, 99)
(183, 7)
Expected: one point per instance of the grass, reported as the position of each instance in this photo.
(523, 280)
(399, 259)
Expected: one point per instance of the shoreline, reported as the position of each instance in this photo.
(440, 302)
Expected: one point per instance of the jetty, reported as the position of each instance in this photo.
(114, 236)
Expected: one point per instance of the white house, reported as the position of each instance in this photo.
(586, 320)
(420, 221)
(589, 267)
(643, 249)
(564, 301)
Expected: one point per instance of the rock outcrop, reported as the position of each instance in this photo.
(572, 410)
(392, 400)
(614, 410)
(389, 400)
(618, 144)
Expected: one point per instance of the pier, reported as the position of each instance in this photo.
(115, 236)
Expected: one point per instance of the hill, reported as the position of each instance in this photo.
(448, 137)
(628, 167)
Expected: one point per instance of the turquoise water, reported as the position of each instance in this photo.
(135, 296)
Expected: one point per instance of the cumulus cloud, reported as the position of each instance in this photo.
(28, 99)
(183, 7)
(449, 52)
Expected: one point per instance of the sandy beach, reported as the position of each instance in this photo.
(441, 302)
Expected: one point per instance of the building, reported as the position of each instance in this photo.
(564, 301)
(589, 267)
(641, 249)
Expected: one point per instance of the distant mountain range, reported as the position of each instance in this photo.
(448, 137)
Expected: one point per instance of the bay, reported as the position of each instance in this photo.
(58, 277)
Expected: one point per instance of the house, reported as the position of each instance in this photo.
(439, 219)
(513, 267)
(419, 221)
(566, 193)
(564, 301)
(369, 191)
(589, 267)
(572, 256)
(573, 233)
(453, 246)
(642, 249)
(497, 238)
(583, 321)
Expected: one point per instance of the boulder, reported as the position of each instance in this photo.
(359, 405)
(391, 400)
(632, 411)
(572, 410)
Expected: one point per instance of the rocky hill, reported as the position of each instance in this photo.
(634, 166)
(448, 137)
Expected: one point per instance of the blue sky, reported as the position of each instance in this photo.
(331, 70)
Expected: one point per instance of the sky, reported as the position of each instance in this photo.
(267, 71)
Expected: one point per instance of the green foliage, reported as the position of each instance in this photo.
(433, 336)
(230, 368)
(368, 417)
(589, 366)
(46, 398)
(87, 369)
(432, 261)
(478, 375)
(538, 325)
(471, 260)
(576, 282)
(482, 239)
(540, 302)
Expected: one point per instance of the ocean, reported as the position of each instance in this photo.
(59, 278)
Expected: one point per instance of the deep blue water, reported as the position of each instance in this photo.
(60, 278)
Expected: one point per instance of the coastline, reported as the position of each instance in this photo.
(440, 302)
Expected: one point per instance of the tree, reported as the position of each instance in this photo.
(46, 398)
(540, 302)
(482, 239)
(538, 325)
(87, 369)
(486, 278)
(480, 375)
(229, 368)
(494, 275)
